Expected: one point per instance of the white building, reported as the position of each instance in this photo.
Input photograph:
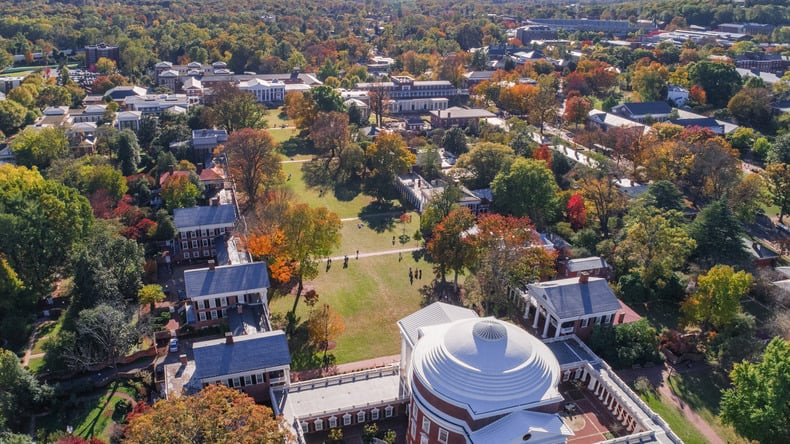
(265, 91)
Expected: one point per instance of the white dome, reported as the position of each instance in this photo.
(485, 365)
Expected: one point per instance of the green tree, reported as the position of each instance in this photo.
(527, 188)
(718, 296)
(105, 335)
(39, 146)
(179, 192)
(327, 99)
(665, 195)
(778, 175)
(626, 344)
(430, 163)
(749, 197)
(448, 248)
(105, 66)
(484, 161)
(127, 151)
(780, 150)
(454, 140)
(253, 161)
(742, 138)
(22, 394)
(151, 294)
(234, 109)
(328, 70)
(756, 405)
(650, 82)
(44, 220)
(761, 148)
(718, 235)
(720, 81)
(12, 116)
(387, 157)
(752, 107)
(438, 208)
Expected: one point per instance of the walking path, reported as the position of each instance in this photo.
(376, 253)
(296, 161)
(32, 342)
(659, 376)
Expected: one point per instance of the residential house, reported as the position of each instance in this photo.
(457, 116)
(643, 111)
(91, 113)
(571, 305)
(205, 140)
(193, 88)
(213, 179)
(704, 122)
(198, 228)
(211, 292)
(606, 121)
(418, 191)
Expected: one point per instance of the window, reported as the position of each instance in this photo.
(205, 243)
(259, 377)
(305, 426)
(413, 426)
(277, 374)
(194, 244)
(347, 419)
(185, 245)
(216, 232)
(374, 414)
(206, 233)
(596, 320)
(217, 303)
(222, 230)
(206, 253)
(236, 382)
(426, 425)
(224, 301)
(319, 424)
(388, 411)
(248, 380)
(186, 255)
(361, 416)
(202, 315)
(443, 436)
(585, 322)
(332, 422)
(213, 314)
(423, 439)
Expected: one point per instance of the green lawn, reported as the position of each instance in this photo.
(92, 415)
(660, 313)
(276, 118)
(376, 234)
(282, 134)
(371, 295)
(35, 364)
(674, 417)
(345, 201)
(45, 332)
(702, 392)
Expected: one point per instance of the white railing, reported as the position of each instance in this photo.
(345, 378)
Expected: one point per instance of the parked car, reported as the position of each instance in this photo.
(173, 345)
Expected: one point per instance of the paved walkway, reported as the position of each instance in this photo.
(32, 342)
(658, 376)
(296, 161)
(350, 367)
(376, 253)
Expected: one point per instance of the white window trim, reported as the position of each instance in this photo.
(202, 315)
(347, 419)
(443, 436)
(332, 422)
(361, 416)
(236, 382)
(585, 322)
(374, 414)
(248, 380)
(186, 255)
(318, 425)
(426, 425)
(388, 411)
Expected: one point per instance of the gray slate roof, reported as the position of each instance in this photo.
(586, 263)
(200, 216)
(227, 279)
(248, 353)
(569, 351)
(567, 298)
(434, 314)
(643, 108)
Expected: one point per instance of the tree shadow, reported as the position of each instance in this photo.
(348, 191)
(295, 146)
(303, 354)
(380, 216)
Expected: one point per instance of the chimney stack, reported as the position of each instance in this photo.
(211, 264)
(584, 277)
(239, 309)
(183, 358)
(229, 338)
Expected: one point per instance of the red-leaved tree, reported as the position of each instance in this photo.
(577, 214)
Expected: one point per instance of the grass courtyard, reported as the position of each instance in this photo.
(674, 417)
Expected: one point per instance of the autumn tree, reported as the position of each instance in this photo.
(576, 110)
(151, 294)
(748, 197)
(542, 104)
(324, 326)
(698, 95)
(387, 157)
(484, 161)
(39, 146)
(329, 132)
(719, 81)
(577, 213)
(778, 175)
(301, 108)
(438, 208)
(216, 414)
(234, 109)
(449, 248)
(603, 200)
(756, 405)
(650, 81)
(718, 296)
(179, 192)
(752, 107)
(378, 99)
(527, 188)
(253, 161)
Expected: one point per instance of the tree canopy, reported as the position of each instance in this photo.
(527, 188)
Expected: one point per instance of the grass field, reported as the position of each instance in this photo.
(282, 134)
(92, 415)
(377, 234)
(276, 118)
(674, 417)
(371, 295)
(46, 331)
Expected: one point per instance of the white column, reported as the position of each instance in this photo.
(537, 314)
(591, 385)
(559, 327)
(546, 325)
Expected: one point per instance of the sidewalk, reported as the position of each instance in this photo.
(376, 253)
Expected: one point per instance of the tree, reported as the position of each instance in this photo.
(12, 116)
(253, 161)
(603, 200)
(577, 213)
(438, 208)
(378, 99)
(576, 110)
(752, 107)
(39, 146)
(626, 344)
(756, 405)
(742, 138)
(430, 163)
(324, 326)
(484, 161)
(310, 234)
(105, 66)
(719, 81)
(127, 151)
(718, 235)
(698, 95)
(105, 334)
(780, 150)
(650, 81)
(664, 195)
(749, 197)
(778, 175)
(216, 414)
(387, 157)
(449, 248)
(543, 105)
(713, 170)
(327, 99)
(509, 255)
(329, 132)
(22, 394)
(718, 296)
(527, 188)
(43, 219)
(234, 109)
(301, 108)
(179, 192)
(454, 140)
(151, 294)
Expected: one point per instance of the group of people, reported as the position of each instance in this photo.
(415, 274)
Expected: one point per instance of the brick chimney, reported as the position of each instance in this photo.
(239, 309)
(183, 358)
(584, 277)
(229, 338)
(211, 264)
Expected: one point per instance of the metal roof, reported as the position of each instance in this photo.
(200, 216)
(567, 298)
(241, 278)
(434, 314)
(217, 358)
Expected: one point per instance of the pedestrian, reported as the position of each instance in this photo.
(420, 272)
(400, 256)
(393, 240)
(357, 254)
(289, 176)
(411, 277)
